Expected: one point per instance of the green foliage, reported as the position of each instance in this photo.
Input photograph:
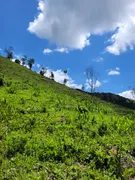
(12, 89)
(1, 80)
(31, 62)
(17, 61)
(42, 71)
(49, 131)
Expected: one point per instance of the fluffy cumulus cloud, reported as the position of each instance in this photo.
(124, 38)
(70, 23)
(128, 94)
(114, 72)
(59, 77)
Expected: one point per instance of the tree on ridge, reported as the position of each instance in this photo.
(31, 61)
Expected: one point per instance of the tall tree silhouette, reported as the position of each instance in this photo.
(31, 62)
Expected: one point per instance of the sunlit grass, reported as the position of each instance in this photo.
(49, 131)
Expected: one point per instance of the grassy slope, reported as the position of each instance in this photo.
(49, 131)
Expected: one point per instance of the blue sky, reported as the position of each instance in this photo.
(86, 40)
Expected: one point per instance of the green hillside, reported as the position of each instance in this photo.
(49, 131)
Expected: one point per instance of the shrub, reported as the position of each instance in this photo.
(17, 61)
(12, 89)
(1, 80)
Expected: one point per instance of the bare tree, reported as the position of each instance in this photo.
(91, 76)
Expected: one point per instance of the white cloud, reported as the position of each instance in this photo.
(73, 85)
(70, 23)
(62, 50)
(16, 56)
(99, 59)
(116, 71)
(117, 68)
(96, 85)
(26, 66)
(38, 65)
(0, 49)
(59, 77)
(124, 38)
(127, 94)
(47, 51)
(113, 72)
(13, 59)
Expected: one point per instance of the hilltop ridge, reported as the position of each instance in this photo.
(113, 98)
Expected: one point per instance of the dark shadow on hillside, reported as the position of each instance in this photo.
(113, 98)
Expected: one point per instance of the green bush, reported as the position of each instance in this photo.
(1, 79)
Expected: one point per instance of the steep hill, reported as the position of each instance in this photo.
(49, 131)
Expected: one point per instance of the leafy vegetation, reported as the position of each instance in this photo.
(17, 61)
(30, 62)
(49, 131)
